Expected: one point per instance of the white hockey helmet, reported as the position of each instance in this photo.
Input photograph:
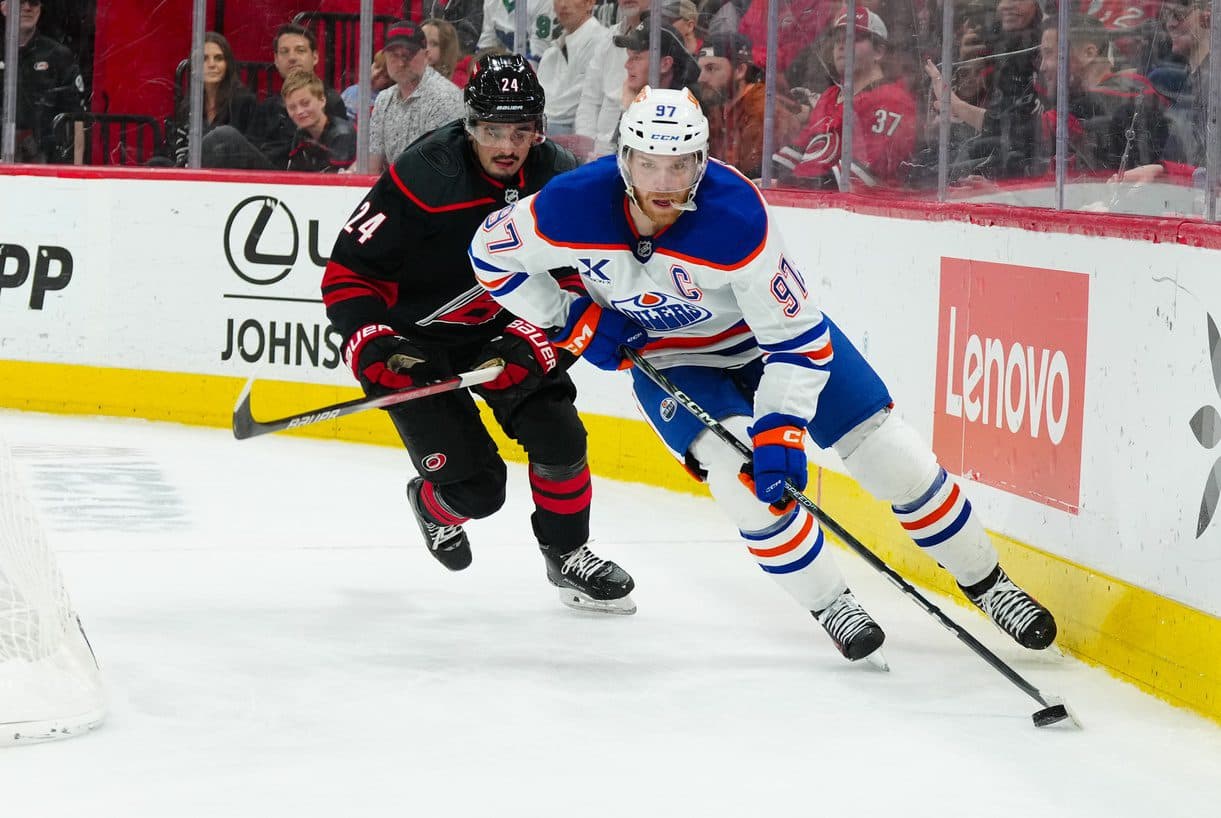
(664, 122)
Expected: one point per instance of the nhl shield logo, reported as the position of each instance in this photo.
(511, 195)
(668, 407)
(644, 248)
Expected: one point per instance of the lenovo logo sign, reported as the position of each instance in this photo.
(1011, 344)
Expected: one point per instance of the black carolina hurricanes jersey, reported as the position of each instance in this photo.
(402, 258)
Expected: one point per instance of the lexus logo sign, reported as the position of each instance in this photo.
(261, 240)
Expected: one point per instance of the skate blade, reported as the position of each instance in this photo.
(623, 606)
(877, 660)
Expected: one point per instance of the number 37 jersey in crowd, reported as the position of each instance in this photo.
(714, 289)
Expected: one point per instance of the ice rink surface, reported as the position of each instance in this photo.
(278, 642)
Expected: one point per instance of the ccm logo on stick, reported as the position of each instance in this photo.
(51, 266)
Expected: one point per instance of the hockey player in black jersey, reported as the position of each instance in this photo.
(400, 288)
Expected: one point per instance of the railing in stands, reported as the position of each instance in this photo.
(109, 139)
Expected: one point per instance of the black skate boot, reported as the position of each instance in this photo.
(448, 543)
(589, 583)
(851, 627)
(1013, 610)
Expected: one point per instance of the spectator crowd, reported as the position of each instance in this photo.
(1136, 98)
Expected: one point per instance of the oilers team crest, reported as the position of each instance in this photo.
(668, 407)
(658, 311)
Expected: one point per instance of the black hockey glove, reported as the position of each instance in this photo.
(527, 354)
(383, 361)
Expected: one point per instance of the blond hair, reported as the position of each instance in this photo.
(303, 79)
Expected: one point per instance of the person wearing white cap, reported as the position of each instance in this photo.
(884, 132)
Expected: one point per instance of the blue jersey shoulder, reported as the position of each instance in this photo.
(583, 206)
(729, 224)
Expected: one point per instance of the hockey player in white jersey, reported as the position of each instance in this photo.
(675, 255)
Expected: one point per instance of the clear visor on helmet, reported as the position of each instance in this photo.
(661, 173)
(496, 134)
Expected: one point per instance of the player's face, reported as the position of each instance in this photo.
(294, 54)
(661, 182)
(1183, 25)
(214, 64)
(305, 109)
(716, 74)
(502, 147)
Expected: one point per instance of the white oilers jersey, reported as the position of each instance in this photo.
(714, 289)
(500, 23)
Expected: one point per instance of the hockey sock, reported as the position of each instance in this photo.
(436, 508)
(942, 522)
(788, 550)
(562, 496)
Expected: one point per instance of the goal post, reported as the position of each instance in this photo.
(50, 686)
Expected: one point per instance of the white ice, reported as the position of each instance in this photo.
(278, 643)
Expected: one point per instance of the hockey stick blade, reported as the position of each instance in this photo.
(245, 426)
(1054, 709)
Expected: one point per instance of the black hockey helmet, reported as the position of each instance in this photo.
(504, 88)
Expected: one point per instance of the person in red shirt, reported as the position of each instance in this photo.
(884, 132)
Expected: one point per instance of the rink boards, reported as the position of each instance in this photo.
(1066, 373)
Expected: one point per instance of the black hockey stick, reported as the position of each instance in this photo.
(245, 426)
(1054, 708)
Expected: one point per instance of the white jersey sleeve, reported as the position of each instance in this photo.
(511, 262)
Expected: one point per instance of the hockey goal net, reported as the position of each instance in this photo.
(49, 681)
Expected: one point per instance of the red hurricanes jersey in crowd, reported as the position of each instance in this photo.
(884, 135)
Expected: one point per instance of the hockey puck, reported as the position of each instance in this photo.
(1050, 715)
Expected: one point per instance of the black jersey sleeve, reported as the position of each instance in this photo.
(362, 277)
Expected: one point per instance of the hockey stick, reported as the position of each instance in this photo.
(1054, 708)
(245, 426)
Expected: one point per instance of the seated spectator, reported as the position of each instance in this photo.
(884, 127)
(48, 84)
(732, 92)
(564, 64)
(379, 81)
(1006, 125)
(419, 101)
(1187, 24)
(500, 24)
(444, 53)
(601, 103)
(266, 145)
(226, 101)
(676, 69)
(466, 16)
(683, 15)
(1114, 118)
(320, 144)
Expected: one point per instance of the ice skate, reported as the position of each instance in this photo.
(448, 543)
(1013, 610)
(589, 583)
(855, 633)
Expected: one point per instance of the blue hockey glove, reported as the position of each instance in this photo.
(596, 334)
(779, 455)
